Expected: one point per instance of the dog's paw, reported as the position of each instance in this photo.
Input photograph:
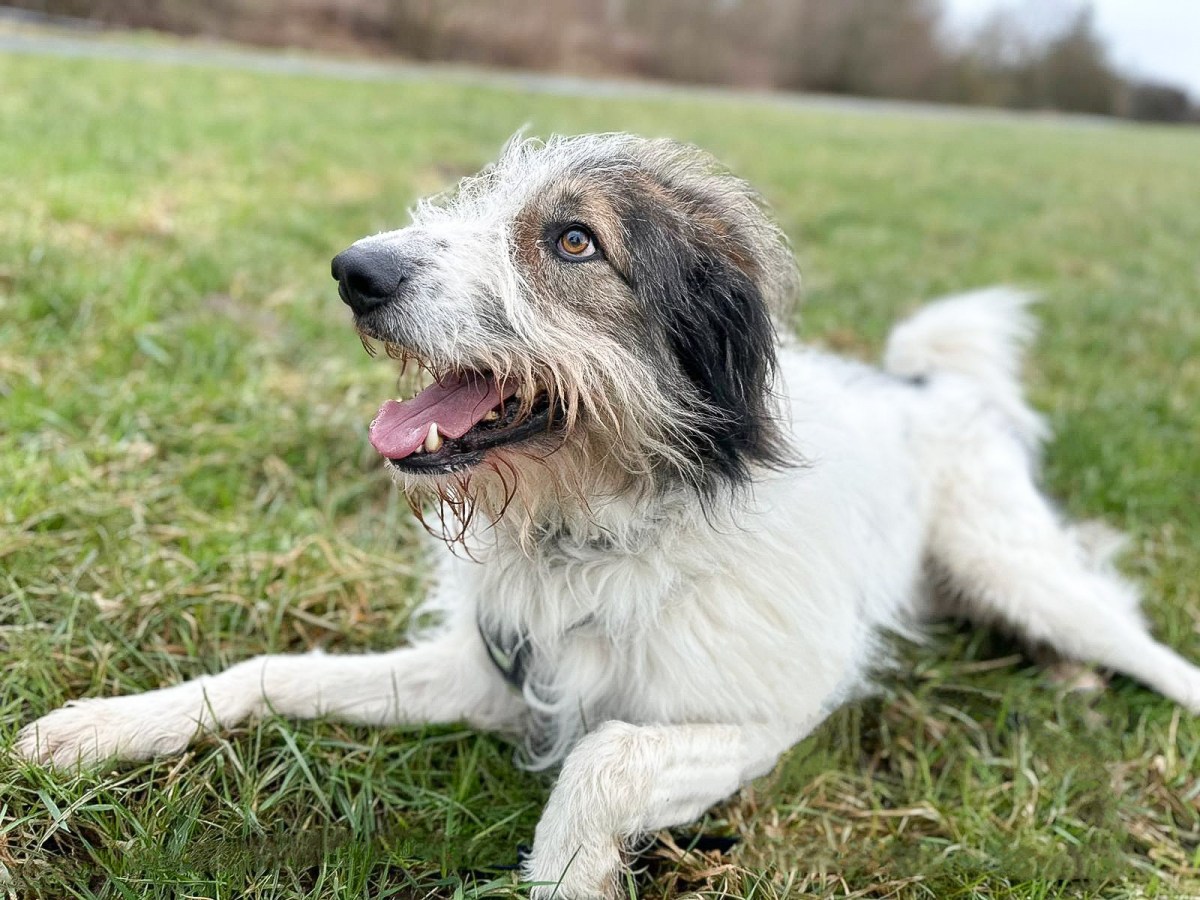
(86, 733)
(590, 873)
(1191, 698)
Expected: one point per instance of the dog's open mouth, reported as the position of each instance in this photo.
(452, 423)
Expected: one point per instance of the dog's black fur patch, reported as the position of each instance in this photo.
(711, 319)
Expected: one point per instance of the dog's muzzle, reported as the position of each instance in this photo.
(465, 412)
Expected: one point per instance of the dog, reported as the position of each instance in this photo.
(675, 541)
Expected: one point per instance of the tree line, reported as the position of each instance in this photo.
(875, 48)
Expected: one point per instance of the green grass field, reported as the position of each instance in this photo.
(185, 481)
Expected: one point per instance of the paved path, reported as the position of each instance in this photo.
(104, 45)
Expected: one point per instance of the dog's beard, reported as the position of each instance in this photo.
(524, 435)
(527, 491)
(504, 440)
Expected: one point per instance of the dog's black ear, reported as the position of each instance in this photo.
(711, 317)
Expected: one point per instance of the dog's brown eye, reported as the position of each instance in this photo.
(576, 243)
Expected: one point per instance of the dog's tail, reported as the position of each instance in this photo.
(980, 335)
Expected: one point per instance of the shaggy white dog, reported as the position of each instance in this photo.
(679, 543)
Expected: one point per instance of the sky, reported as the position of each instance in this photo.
(1157, 39)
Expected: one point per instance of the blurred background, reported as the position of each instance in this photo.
(186, 481)
(1132, 58)
(1129, 58)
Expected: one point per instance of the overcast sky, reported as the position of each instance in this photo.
(1153, 38)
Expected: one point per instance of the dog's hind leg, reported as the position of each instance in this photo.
(1003, 556)
(448, 679)
(625, 780)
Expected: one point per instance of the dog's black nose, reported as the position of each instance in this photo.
(368, 276)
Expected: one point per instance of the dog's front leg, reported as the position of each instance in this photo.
(448, 679)
(624, 780)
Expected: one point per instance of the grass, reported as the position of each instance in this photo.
(185, 482)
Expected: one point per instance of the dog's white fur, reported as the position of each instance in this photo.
(681, 648)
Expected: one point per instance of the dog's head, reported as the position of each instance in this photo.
(598, 309)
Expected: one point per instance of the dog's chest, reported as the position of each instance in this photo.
(566, 587)
(688, 621)
(597, 631)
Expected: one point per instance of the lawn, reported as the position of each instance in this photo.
(185, 482)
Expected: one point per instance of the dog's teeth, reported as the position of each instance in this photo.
(491, 416)
(433, 440)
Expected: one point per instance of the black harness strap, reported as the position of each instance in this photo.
(512, 661)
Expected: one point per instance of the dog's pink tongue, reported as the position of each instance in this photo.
(456, 404)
